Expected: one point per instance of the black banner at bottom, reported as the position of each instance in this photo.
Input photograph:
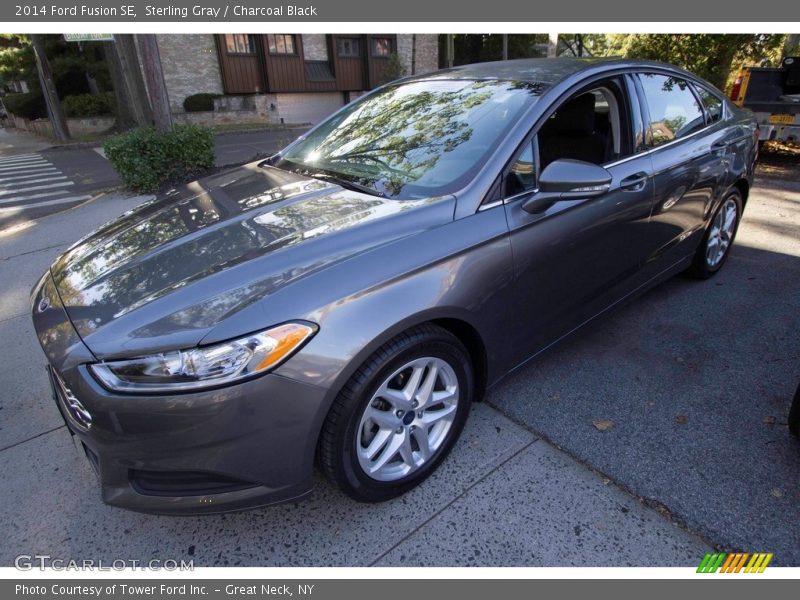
(386, 589)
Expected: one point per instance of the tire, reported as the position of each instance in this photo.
(368, 417)
(719, 233)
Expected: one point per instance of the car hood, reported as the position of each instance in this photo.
(166, 273)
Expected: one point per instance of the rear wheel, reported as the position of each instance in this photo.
(716, 245)
(399, 416)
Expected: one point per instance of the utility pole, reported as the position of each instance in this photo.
(154, 76)
(57, 121)
(505, 46)
(450, 49)
(128, 82)
(552, 45)
(414, 54)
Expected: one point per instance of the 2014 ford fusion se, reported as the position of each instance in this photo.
(345, 301)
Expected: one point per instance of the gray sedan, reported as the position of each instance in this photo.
(344, 302)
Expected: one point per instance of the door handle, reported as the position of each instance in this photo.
(720, 145)
(634, 182)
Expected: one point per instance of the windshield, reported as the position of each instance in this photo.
(413, 140)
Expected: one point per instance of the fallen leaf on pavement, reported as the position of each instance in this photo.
(603, 424)
(776, 493)
(769, 420)
(680, 419)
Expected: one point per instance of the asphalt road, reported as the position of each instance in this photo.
(687, 374)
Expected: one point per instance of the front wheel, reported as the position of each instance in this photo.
(399, 415)
(716, 245)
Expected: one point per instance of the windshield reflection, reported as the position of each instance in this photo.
(414, 140)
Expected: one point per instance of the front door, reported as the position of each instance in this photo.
(580, 256)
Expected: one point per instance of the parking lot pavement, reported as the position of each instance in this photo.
(519, 500)
(697, 378)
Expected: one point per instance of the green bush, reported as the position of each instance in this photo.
(29, 105)
(145, 158)
(199, 102)
(87, 105)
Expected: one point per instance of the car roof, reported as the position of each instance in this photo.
(534, 70)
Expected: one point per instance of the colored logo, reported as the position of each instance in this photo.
(734, 563)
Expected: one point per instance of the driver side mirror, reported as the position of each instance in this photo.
(567, 179)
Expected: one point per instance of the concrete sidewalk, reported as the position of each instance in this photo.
(14, 142)
(504, 497)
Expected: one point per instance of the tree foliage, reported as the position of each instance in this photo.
(712, 56)
(69, 61)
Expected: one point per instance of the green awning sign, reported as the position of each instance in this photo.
(89, 37)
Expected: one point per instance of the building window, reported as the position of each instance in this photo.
(239, 43)
(347, 47)
(281, 43)
(381, 47)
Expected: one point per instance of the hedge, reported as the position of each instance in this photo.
(29, 105)
(200, 102)
(88, 105)
(145, 158)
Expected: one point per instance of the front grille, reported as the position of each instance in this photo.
(70, 402)
(184, 483)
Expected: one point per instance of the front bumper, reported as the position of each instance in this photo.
(236, 447)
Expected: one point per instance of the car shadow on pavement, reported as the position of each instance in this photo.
(682, 397)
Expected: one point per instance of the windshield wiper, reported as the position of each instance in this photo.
(346, 183)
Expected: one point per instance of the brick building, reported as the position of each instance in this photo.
(290, 78)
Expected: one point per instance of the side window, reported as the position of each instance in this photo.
(522, 175)
(674, 110)
(711, 102)
(591, 126)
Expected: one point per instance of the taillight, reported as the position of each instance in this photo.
(737, 87)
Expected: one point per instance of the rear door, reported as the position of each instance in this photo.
(689, 150)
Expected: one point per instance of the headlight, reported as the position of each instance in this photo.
(205, 367)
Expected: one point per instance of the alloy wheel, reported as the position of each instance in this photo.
(721, 234)
(407, 419)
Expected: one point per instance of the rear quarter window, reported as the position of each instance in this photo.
(712, 103)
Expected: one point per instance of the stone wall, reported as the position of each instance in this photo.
(190, 66)
(77, 127)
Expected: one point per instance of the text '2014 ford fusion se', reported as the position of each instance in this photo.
(344, 302)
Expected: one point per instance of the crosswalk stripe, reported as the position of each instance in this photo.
(25, 167)
(37, 187)
(17, 159)
(11, 163)
(45, 172)
(33, 196)
(33, 169)
(45, 203)
(17, 156)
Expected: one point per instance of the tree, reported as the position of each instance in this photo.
(154, 76)
(57, 120)
(708, 55)
(133, 105)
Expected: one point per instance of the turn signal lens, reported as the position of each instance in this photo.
(199, 368)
